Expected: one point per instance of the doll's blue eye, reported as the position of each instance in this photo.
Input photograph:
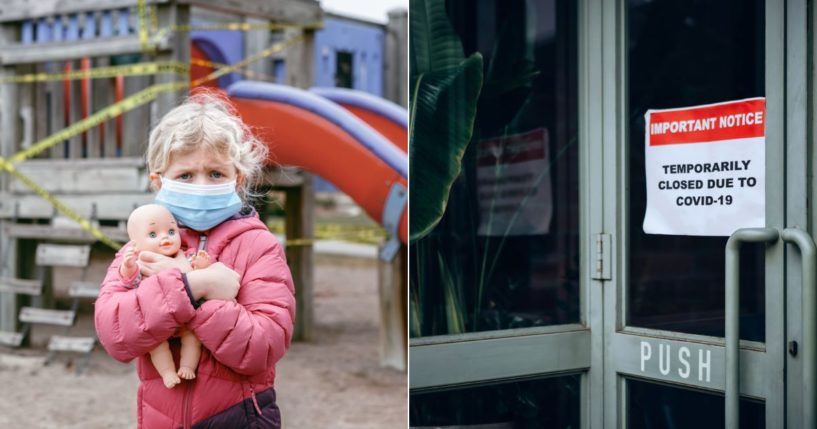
(171, 232)
(152, 235)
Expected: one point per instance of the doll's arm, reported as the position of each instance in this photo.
(129, 270)
(200, 260)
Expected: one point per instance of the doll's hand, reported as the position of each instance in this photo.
(200, 260)
(151, 263)
(129, 267)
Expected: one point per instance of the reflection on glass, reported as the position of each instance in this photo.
(684, 53)
(548, 403)
(656, 406)
(506, 253)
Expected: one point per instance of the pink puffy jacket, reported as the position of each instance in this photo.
(241, 341)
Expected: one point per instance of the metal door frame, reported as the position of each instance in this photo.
(454, 361)
(762, 371)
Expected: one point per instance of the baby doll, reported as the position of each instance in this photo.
(151, 227)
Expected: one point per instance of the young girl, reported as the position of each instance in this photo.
(201, 159)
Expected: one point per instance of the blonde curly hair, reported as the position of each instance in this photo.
(206, 119)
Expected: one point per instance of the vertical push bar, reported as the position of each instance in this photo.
(732, 391)
(808, 255)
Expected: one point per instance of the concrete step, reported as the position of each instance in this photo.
(57, 233)
(11, 339)
(21, 286)
(62, 255)
(47, 317)
(59, 343)
(88, 290)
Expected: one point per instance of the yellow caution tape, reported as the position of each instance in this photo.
(97, 118)
(235, 26)
(148, 43)
(171, 67)
(246, 72)
(247, 26)
(144, 44)
(366, 234)
(140, 69)
(62, 208)
(299, 242)
(110, 112)
(275, 48)
(154, 18)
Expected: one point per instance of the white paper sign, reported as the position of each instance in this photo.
(513, 183)
(706, 168)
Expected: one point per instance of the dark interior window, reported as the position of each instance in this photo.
(506, 254)
(685, 53)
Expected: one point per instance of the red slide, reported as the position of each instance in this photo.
(386, 117)
(305, 130)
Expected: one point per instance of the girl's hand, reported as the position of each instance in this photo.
(214, 282)
(151, 263)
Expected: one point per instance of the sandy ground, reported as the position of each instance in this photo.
(334, 381)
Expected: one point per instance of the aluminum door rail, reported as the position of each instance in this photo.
(732, 371)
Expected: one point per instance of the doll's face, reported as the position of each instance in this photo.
(153, 228)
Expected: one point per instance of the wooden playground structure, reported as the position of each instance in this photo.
(83, 82)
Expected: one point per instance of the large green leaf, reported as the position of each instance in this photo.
(453, 301)
(433, 44)
(443, 108)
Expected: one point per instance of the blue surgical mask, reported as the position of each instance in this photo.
(199, 207)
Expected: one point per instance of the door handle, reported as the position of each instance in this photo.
(808, 254)
(732, 388)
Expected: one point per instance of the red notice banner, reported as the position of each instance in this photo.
(512, 149)
(724, 121)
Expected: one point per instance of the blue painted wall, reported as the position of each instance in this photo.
(365, 42)
(222, 46)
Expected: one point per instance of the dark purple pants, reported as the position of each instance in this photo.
(244, 414)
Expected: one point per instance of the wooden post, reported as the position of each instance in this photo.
(25, 110)
(393, 288)
(300, 206)
(56, 120)
(103, 90)
(300, 60)
(255, 42)
(8, 141)
(395, 69)
(136, 123)
(300, 201)
(169, 15)
(75, 114)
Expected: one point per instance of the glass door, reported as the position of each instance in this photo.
(501, 325)
(667, 356)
